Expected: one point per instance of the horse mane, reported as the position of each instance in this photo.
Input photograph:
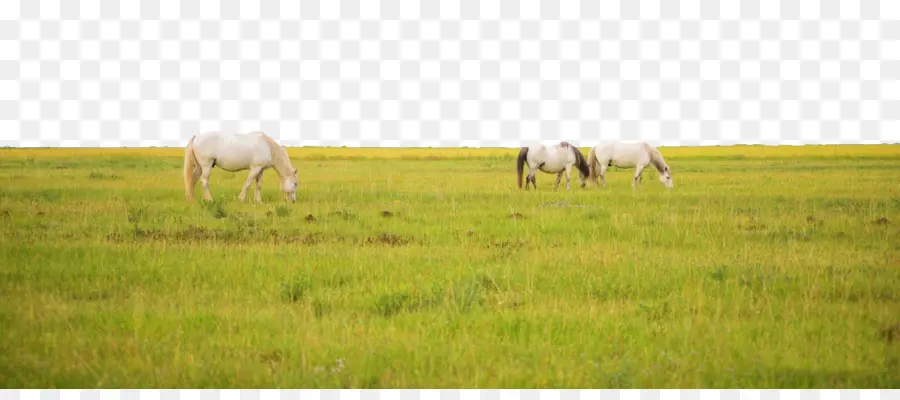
(279, 154)
(580, 162)
(656, 158)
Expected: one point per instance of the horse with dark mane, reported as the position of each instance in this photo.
(552, 159)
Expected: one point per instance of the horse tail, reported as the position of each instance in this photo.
(592, 164)
(190, 169)
(520, 164)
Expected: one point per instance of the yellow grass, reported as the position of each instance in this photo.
(887, 150)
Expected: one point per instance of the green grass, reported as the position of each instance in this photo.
(755, 271)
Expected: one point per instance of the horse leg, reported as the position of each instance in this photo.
(204, 180)
(603, 175)
(259, 186)
(637, 174)
(558, 179)
(531, 178)
(568, 176)
(251, 178)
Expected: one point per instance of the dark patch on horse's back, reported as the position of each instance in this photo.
(565, 145)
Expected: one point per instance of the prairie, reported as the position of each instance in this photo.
(765, 267)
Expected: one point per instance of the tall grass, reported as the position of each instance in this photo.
(428, 268)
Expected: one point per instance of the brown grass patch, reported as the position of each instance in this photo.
(387, 239)
(198, 234)
(881, 221)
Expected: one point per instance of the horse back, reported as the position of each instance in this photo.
(234, 151)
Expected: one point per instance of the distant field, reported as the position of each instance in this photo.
(764, 267)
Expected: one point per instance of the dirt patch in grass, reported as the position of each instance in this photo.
(387, 239)
(506, 244)
(274, 356)
(891, 333)
(345, 215)
(91, 296)
(100, 176)
(881, 221)
(198, 234)
(562, 204)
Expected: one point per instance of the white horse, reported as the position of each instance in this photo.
(551, 159)
(234, 152)
(635, 155)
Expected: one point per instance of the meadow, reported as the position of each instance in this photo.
(765, 267)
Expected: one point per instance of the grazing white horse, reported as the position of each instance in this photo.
(635, 155)
(234, 152)
(551, 159)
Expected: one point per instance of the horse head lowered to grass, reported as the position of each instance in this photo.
(234, 152)
(635, 155)
(552, 159)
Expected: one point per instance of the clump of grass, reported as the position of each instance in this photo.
(345, 215)
(596, 215)
(718, 274)
(462, 295)
(392, 303)
(297, 288)
(387, 239)
(320, 308)
(470, 292)
(103, 176)
(881, 221)
(216, 208)
(282, 210)
(135, 212)
(654, 310)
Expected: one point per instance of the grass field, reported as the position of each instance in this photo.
(764, 267)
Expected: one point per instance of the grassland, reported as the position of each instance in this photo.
(764, 267)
